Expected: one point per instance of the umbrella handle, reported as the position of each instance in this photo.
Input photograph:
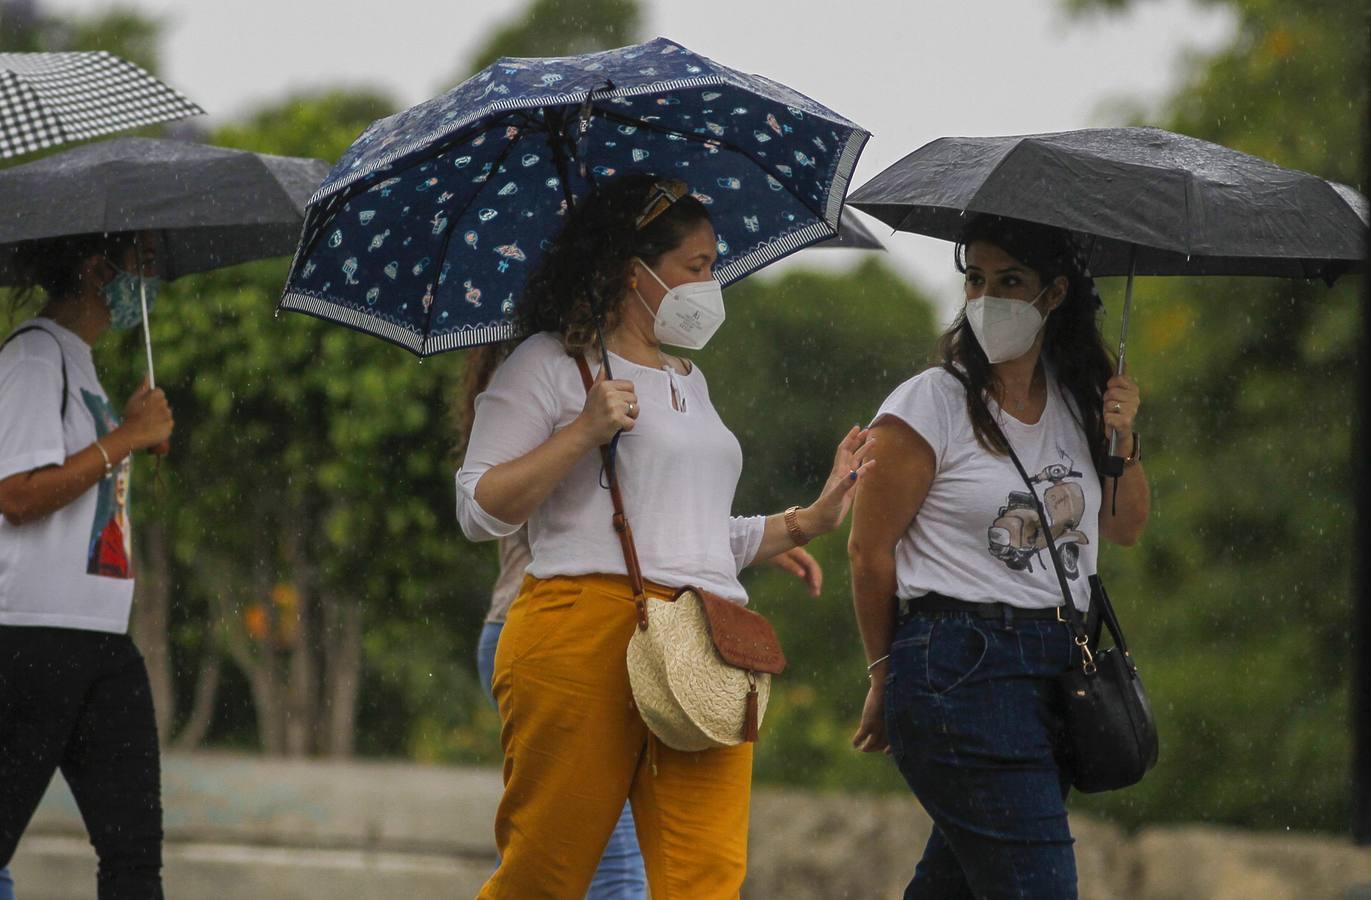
(1113, 464)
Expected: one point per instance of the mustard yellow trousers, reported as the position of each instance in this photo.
(575, 748)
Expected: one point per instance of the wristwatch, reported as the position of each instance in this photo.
(792, 526)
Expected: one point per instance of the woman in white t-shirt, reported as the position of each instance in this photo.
(956, 595)
(74, 691)
(637, 254)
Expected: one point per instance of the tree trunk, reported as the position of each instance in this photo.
(206, 694)
(297, 636)
(150, 623)
(343, 667)
(256, 659)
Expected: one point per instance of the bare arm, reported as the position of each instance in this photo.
(28, 496)
(850, 465)
(885, 505)
(1121, 403)
(513, 490)
(1125, 526)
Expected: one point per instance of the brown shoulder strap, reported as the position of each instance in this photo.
(621, 526)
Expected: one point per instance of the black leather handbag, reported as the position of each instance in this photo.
(1110, 732)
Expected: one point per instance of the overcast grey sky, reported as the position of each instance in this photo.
(907, 70)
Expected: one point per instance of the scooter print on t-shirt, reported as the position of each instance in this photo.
(1017, 537)
(110, 551)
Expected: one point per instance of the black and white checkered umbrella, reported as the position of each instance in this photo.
(47, 99)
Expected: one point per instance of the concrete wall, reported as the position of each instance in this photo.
(241, 826)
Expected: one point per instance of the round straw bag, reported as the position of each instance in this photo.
(700, 666)
(688, 694)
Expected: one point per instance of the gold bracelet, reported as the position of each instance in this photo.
(792, 526)
(109, 467)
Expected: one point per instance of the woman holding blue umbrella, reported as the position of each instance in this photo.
(620, 874)
(635, 260)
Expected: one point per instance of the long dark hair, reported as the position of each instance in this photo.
(1073, 343)
(584, 275)
(54, 264)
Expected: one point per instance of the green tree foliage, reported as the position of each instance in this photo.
(303, 529)
(26, 27)
(1238, 598)
(802, 358)
(308, 498)
(562, 28)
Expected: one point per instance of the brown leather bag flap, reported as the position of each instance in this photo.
(743, 638)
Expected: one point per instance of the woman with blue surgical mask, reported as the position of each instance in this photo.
(956, 594)
(74, 691)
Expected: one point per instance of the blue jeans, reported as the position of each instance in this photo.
(6, 885)
(974, 723)
(620, 875)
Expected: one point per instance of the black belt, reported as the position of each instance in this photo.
(932, 604)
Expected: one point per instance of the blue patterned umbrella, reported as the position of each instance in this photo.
(425, 231)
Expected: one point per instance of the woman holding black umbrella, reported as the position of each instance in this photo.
(958, 602)
(74, 691)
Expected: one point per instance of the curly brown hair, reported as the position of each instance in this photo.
(1072, 343)
(582, 279)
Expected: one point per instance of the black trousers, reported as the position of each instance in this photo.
(79, 701)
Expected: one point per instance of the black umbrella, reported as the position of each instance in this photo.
(1141, 200)
(853, 234)
(47, 99)
(210, 206)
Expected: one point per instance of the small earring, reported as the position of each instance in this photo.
(633, 284)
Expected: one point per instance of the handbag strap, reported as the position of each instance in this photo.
(1076, 620)
(621, 526)
(60, 355)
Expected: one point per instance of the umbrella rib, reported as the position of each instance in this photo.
(700, 139)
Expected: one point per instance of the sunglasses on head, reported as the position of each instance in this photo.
(662, 197)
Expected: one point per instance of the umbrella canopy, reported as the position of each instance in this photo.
(1162, 202)
(853, 234)
(212, 206)
(47, 99)
(426, 230)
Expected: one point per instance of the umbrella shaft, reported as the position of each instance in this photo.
(1123, 335)
(147, 335)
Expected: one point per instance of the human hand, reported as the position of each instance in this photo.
(610, 407)
(799, 562)
(871, 736)
(849, 463)
(1121, 403)
(148, 422)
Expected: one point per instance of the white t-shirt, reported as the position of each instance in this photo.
(977, 535)
(73, 567)
(678, 470)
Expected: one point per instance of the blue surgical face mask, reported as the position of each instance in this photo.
(125, 304)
